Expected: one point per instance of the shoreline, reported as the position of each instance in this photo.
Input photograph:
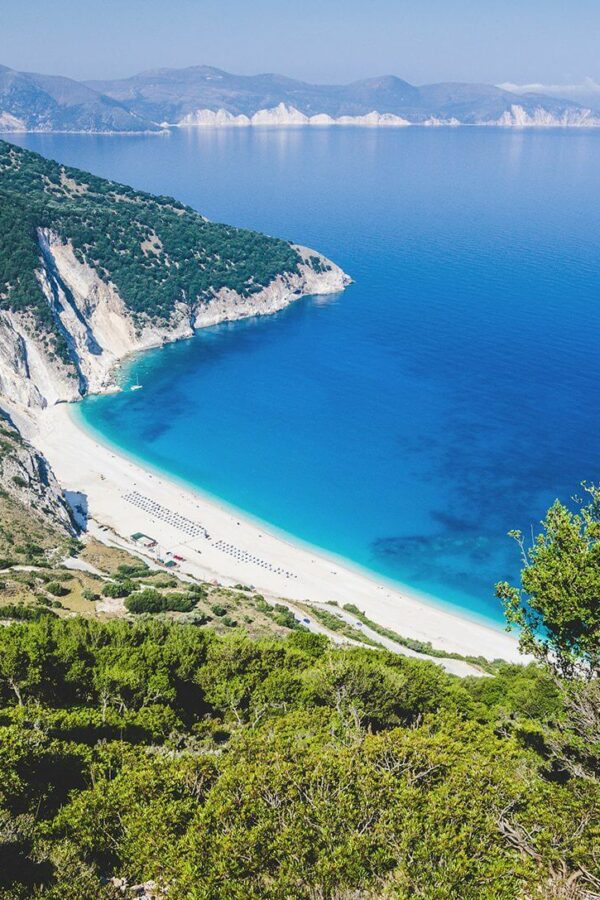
(261, 525)
(166, 130)
(129, 497)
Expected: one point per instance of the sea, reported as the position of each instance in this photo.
(449, 395)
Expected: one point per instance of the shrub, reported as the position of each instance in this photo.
(180, 602)
(164, 581)
(147, 601)
(57, 589)
(132, 570)
(151, 601)
(218, 609)
(115, 590)
(30, 549)
(23, 613)
(284, 616)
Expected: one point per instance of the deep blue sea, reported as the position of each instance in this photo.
(449, 395)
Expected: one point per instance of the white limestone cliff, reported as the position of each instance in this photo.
(434, 122)
(284, 116)
(227, 306)
(28, 480)
(373, 120)
(518, 117)
(279, 115)
(10, 123)
(101, 331)
(209, 118)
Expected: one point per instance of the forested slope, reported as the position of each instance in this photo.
(155, 250)
(91, 271)
(156, 759)
(232, 768)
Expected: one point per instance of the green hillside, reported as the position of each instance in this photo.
(155, 250)
(154, 758)
(231, 768)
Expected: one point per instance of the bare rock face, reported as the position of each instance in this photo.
(100, 330)
(282, 115)
(30, 377)
(540, 117)
(28, 480)
(316, 275)
(98, 327)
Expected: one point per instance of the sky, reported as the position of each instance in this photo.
(496, 41)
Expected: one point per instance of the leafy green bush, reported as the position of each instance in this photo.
(23, 613)
(132, 570)
(226, 767)
(164, 581)
(180, 602)
(116, 590)
(218, 609)
(57, 589)
(151, 601)
(284, 617)
(146, 601)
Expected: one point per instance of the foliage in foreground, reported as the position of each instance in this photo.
(232, 768)
(558, 607)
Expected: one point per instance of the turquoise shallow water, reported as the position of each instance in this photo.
(447, 396)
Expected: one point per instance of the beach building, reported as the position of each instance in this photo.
(144, 539)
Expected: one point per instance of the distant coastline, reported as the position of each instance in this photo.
(282, 115)
(205, 96)
(289, 117)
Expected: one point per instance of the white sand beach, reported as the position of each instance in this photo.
(216, 543)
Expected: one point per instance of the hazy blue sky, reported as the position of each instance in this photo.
(318, 40)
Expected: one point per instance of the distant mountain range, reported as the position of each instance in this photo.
(31, 102)
(205, 96)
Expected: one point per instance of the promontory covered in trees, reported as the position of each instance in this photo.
(91, 270)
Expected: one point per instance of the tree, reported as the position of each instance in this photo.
(23, 652)
(557, 609)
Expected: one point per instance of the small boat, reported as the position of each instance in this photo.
(136, 387)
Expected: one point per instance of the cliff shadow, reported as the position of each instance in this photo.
(78, 503)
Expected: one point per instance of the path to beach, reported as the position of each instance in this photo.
(217, 544)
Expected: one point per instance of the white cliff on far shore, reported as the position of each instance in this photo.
(284, 116)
